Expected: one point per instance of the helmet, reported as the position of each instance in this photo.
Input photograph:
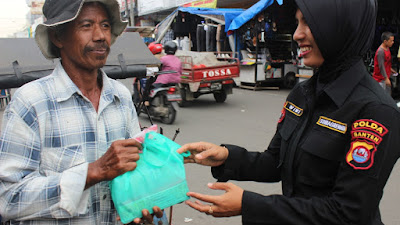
(170, 48)
(155, 48)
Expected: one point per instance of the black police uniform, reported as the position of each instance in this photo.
(338, 136)
(333, 151)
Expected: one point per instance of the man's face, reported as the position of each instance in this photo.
(309, 50)
(86, 42)
(389, 43)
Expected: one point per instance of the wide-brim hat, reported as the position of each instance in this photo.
(61, 11)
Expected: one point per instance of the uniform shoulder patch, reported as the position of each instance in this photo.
(366, 135)
(361, 155)
(282, 116)
(371, 125)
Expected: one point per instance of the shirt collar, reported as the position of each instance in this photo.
(339, 89)
(66, 87)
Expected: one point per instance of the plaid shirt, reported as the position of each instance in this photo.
(50, 133)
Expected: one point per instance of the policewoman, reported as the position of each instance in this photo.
(337, 138)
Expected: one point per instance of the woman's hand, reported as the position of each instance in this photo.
(204, 153)
(226, 205)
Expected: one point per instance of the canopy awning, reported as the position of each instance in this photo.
(21, 60)
(250, 13)
(143, 31)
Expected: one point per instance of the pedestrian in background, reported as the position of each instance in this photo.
(383, 62)
(337, 137)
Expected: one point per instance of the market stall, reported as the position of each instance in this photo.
(199, 29)
(267, 51)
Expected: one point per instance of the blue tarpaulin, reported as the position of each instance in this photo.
(251, 13)
(229, 14)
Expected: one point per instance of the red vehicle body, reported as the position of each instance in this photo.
(199, 79)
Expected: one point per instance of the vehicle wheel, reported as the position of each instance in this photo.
(183, 102)
(170, 118)
(220, 96)
(289, 80)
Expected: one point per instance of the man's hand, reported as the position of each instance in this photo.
(204, 153)
(226, 205)
(121, 157)
(387, 82)
(147, 217)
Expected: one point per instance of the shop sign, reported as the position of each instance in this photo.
(202, 4)
(36, 7)
(122, 6)
(152, 6)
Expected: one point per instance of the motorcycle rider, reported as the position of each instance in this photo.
(156, 49)
(169, 63)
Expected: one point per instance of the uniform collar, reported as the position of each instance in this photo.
(340, 89)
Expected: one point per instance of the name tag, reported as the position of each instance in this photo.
(332, 124)
(293, 108)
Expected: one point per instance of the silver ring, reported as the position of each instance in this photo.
(210, 211)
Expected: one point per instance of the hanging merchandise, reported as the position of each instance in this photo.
(202, 27)
(200, 38)
(186, 44)
(158, 180)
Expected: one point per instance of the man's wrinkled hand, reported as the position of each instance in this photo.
(120, 158)
(147, 217)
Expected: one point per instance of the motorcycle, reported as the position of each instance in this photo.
(160, 102)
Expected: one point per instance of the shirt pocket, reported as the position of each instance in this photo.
(60, 159)
(286, 131)
(320, 157)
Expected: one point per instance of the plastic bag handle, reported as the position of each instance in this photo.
(155, 164)
(185, 154)
(145, 152)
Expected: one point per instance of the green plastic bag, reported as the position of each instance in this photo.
(158, 180)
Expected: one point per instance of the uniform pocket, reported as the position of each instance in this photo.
(320, 158)
(324, 145)
(288, 126)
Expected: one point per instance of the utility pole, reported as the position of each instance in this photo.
(127, 10)
(132, 6)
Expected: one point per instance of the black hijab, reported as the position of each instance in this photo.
(343, 30)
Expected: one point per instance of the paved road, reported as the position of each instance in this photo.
(248, 118)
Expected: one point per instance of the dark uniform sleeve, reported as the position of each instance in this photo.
(359, 184)
(255, 166)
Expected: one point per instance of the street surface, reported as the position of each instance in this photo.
(248, 119)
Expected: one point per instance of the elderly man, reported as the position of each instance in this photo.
(64, 136)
